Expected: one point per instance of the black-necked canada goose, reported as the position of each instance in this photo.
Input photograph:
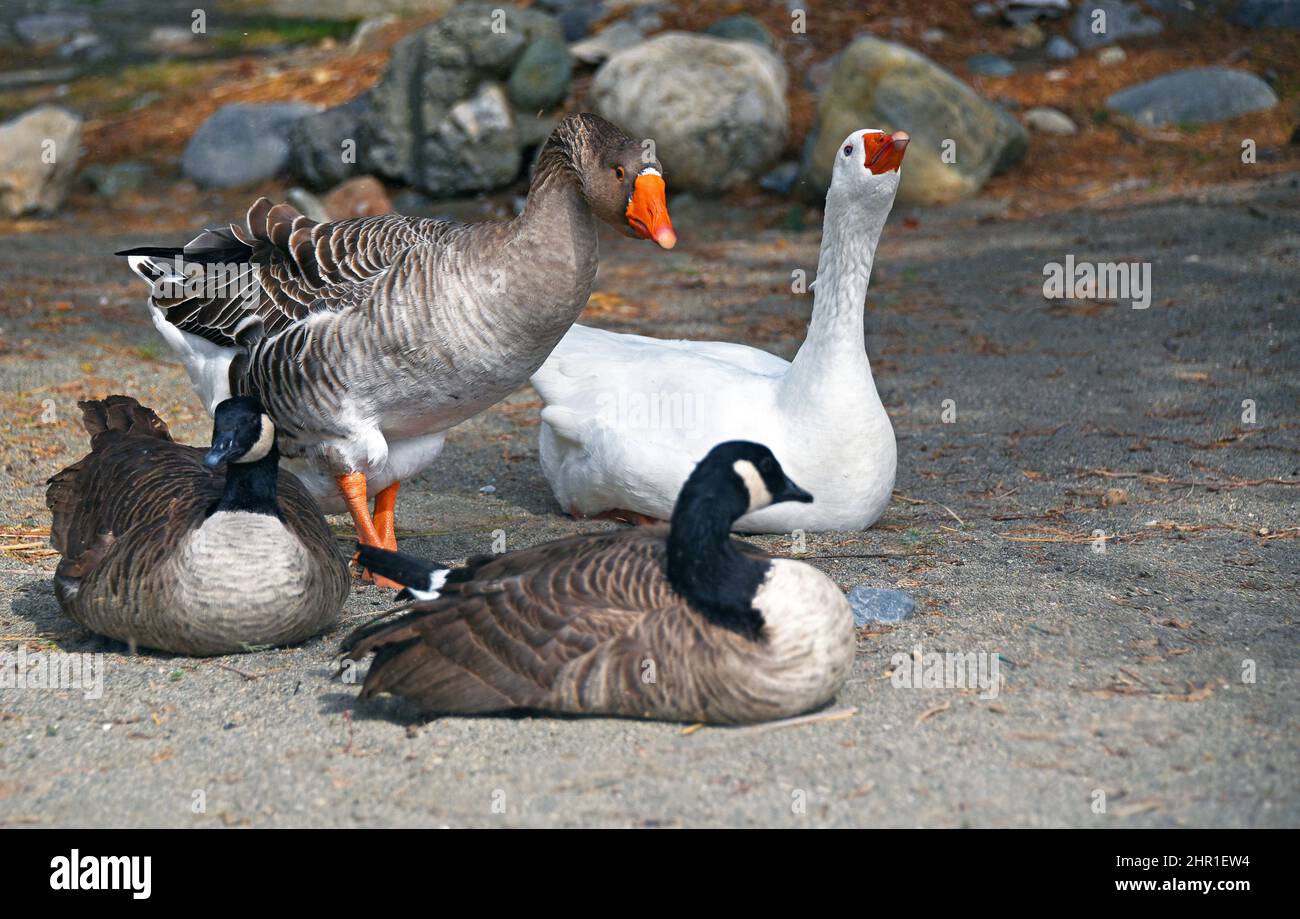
(677, 622)
(366, 339)
(164, 548)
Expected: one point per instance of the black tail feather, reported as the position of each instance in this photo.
(406, 570)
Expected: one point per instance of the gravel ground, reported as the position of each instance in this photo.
(1125, 672)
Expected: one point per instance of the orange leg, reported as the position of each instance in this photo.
(386, 516)
(353, 487)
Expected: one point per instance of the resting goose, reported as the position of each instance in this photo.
(627, 416)
(366, 339)
(163, 548)
(681, 623)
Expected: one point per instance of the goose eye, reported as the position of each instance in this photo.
(619, 173)
(848, 150)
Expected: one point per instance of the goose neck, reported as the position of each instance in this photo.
(706, 569)
(251, 487)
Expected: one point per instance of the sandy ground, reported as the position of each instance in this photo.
(1125, 672)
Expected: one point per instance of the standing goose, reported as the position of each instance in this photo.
(366, 339)
(162, 549)
(681, 623)
(627, 416)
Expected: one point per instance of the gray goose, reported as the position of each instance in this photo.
(677, 622)
(366, 339)
(163, 548)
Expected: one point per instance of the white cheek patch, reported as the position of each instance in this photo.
(759, 496)
(263, 446)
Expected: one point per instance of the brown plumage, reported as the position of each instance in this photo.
(152, 557)
(593, 624)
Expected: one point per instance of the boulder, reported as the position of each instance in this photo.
(742, 27)
(1193, 96)
(618, 36)
(540, 79)
(240, 144)
(319, 152)
(880, 84)
(41, 148)
(117, 179)
(439, 119)
(715, 109)
(50, 28)
(1120, 20)
(1267, 14)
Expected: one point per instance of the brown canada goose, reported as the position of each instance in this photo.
(678, 622)
(366, 339)
(162, 549)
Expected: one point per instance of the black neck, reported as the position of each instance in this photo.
(704, 565)
(250, 487)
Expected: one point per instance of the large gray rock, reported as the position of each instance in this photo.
(879, 84)
(715, 109)
(540, 79)
(1193, 96)
(1122, 19)
(38, 155)
(240, 144)
(616, 37)
(319, 150)
(439, 119)
(1265, 14)
(50, 28)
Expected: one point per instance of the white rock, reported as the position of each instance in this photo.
(41, 148)
(715, 109)
(1047, 120)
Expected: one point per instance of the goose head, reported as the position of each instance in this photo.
(736, 478)
(241, 433)
(867, 167)
(622, 183)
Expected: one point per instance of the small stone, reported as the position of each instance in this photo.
(362, 196)
(367, 31)
(1029, 35)
(934, 36)
(1060, 49)
(876, 604)
(1109, 57)
(1047, 120)
(112, 181)
(1116, 20)
(171, 38)
(307, 204)
(488, 490)
(990, 65)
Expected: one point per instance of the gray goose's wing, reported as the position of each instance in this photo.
(277, 269)
(135, 475)
(506, 627)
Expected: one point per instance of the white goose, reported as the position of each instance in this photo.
(627, 417)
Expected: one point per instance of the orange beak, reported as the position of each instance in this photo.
(884, 152)
(647, 213)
